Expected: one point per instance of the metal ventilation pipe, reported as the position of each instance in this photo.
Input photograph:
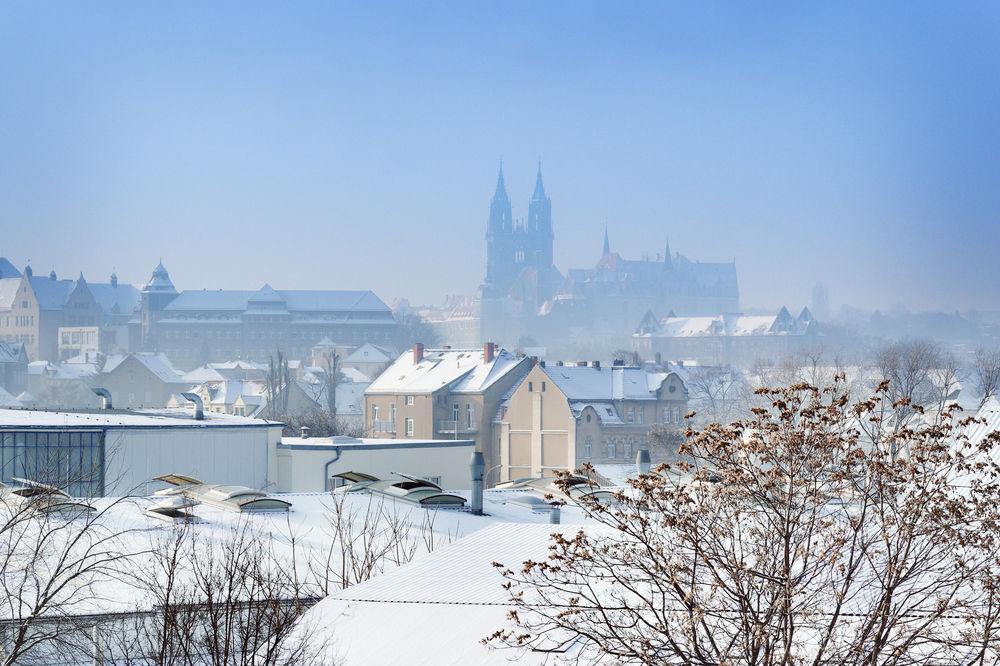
(643, 463)
(199, 406)
(477, 465)
(555, 514)
(105, 397)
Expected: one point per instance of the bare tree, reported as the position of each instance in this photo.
(276, 387)
(714, 392)
(808, 533)
(986, 373)
(55, 554)
(908, 366)
(232, 600)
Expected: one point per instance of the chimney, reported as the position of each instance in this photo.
(199, 406)
(555, 513)
(304, 432)
(488, 350)
(477, 465)
(596, 365)
(642, 461)
(105, 397)
(418, 352)
(541, 364)
(559, 364)
(581, 364)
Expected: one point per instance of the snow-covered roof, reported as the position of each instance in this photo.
(8, 291)
(463, 369)
(8, 400)
(583, 384)
(369, 353)
(294, 300)
(728, 325)
(344, 442)
(155, 362)
(203, 373)
(990, 414)
(355, 376)
(64, 370)
(146, 418)
(116, 298)
(438, 608)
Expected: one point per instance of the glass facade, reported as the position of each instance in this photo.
(72, 461)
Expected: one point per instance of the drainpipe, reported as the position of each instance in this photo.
(105, 397)
(477, 465)
(326, 470)
(199, 406)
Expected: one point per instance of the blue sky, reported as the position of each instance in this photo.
(355, 146)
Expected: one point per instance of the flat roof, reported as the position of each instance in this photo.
(330, 443)
(20, 419)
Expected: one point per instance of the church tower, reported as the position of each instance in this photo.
(156, 295)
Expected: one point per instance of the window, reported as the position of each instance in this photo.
(640, 414)
(531, 387)
(470, 415)
(611, 448)
(392, 412)
(408, 401)
(666, 415)
(454, 414)
(374, 417)
(628, 447)
(72, 461)
(519, 256)
(409, 427)
(543, 387)
(630, 412)
(588, 447)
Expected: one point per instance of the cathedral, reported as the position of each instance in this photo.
(525, 298)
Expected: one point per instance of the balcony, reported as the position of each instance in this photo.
(384, 426)
(452, 427)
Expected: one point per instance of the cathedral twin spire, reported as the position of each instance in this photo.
(539, 207)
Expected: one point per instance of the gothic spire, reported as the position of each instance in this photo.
(607, 244)
(501, 192)
(539, 194)
(667, 261)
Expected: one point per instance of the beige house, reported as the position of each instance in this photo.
(560, 416)
(443, 394)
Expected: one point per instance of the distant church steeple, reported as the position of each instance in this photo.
(500, 213)
(607, 244)
(540, 206)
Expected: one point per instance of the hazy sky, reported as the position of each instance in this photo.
(356, 146)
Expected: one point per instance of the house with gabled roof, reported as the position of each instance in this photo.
(560, 416)
(443, 393)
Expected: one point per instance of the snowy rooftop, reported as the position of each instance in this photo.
(438, 607)
(590, 383)
(364, 442)
(146, 418)
(465, 370)
(294, 300)
(728, 325)
(156, 362)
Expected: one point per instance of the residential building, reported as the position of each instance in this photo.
(726, 339)
(200, 326)
(13, 367)
(140, 379)
(440, 393)
(369, 359)
(561, 416)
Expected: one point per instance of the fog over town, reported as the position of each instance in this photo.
(383, 332)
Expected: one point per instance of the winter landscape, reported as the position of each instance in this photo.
(471, 333)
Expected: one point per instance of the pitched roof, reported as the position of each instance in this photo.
(116, 299)
(12, 352)
(295, 300)
(51, 294)
(369, 353)
(8, 291)
(590, 384)
(463, 369)
(728, 325)
(7, 269)
(155, 362)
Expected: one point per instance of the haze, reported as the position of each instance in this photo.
(319, 146)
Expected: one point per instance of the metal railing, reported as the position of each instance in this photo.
(382, 425)
(457, 426)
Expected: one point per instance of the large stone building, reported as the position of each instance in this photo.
(726, 339)
(200, 326)
(33, 310)
(561, 416)
(525, 296)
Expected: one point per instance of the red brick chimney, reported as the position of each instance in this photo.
(418, 352)
(488, 349)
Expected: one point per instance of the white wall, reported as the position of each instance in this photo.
(217, 454)
(301, 469)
